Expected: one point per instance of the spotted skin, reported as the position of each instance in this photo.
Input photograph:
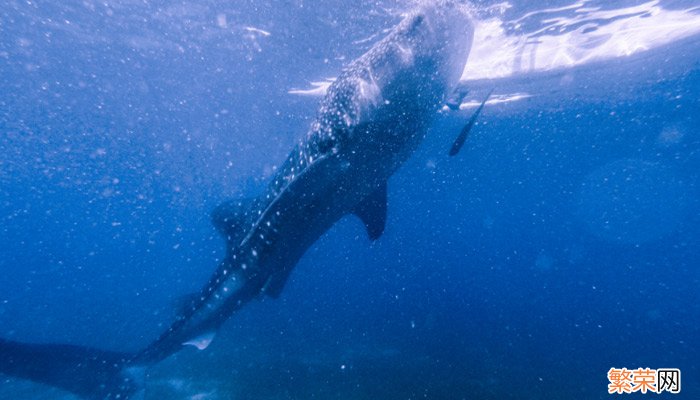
(371, 120)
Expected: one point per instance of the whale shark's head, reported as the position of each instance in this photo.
(441, 31)
(384, 100)
(414, 66)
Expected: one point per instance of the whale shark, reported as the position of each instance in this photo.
(372, 118)
(88, 372)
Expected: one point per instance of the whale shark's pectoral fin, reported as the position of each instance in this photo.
(231, 219)
(274, 285)
(372, 211)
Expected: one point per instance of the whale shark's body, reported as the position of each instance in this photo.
(371, 120)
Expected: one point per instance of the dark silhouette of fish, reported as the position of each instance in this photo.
(459, 142)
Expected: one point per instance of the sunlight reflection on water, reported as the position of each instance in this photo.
(572, 36)
(557, 39)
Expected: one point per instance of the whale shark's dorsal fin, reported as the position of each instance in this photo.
(231, 218)
(372, 211)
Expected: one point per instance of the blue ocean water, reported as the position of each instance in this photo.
(561, 242)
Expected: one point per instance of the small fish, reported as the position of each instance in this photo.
(459, 142)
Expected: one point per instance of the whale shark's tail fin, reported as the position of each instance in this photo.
(90, 373)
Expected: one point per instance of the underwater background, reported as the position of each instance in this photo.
(564, 240)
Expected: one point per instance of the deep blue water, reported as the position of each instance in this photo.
(563, 240)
